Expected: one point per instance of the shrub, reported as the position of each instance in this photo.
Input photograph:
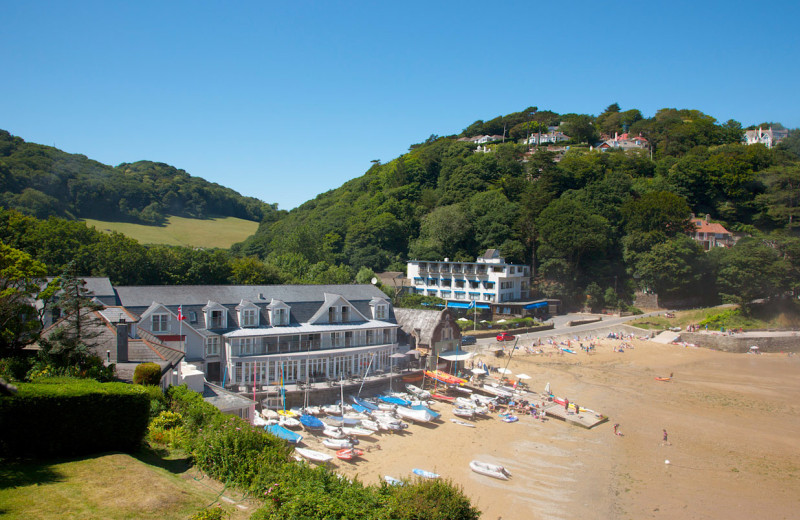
(211, 513)
(64, 416)
(15, 368)
(147, 374)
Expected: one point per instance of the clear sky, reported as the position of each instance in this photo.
(285, 100)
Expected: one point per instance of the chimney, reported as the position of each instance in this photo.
(708, 218)
(122, 341)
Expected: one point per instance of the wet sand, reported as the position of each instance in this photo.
(733, 422)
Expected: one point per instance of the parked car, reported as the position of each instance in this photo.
(505, 336)
(468, 340)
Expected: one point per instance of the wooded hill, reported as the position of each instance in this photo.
(588, 221)
(43, 181)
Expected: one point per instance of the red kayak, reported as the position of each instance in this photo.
(349, 453)
(444, 377)
(443, 397)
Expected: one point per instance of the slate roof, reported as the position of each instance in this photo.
(304, 300)
(224, 400)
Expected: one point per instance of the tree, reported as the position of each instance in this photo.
(252, 271)
(580, 128)
(751, 270)
(69, 346)
(782, 198)
(673, 268)
(21, 281)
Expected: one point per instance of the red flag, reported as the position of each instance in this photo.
(181, 317)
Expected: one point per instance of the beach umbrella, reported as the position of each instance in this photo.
(462, 319)
(398, 355)
(478, 371)
(523, 376)
(504, 370)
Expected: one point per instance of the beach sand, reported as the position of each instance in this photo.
(733, 422)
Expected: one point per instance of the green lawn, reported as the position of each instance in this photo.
(180, 231)
(112, 486)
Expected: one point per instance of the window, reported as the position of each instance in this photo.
(331, 315)
(380, 312)
(216, 320)
(345, 314)
(279, 317)
(245, 346)
(249, 318)
(418, 281)
(160, 322)
(212, 346)
(192, 317)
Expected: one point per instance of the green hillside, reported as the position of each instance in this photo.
(43, 181)
(181, 231)
(587, 221)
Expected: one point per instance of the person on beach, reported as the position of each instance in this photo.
(615, 429)
(665, 439)
(566, 405)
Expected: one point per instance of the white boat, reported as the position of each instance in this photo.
(462, 423)
(388, 423)
(483, 400)
(414, 415)
(338, 444)
(258, 420)
(387, 407)
(490, 470)
(370, 424)
(269, 414)
(393, 481)
(497, 390)
(355, 431)
(316, 456)
(417, 391)
(333, 433)
(464, 412)
(356, 415)
(332, 409)
(289, 422)
(464, 402)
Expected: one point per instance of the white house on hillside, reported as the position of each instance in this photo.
(488, 280)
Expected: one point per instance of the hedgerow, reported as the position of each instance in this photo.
(231, 450)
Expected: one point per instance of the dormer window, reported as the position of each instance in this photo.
(345, 314)
(380, 312)
(216, 320)
(279, 317)
(249, 318)
(331, 315)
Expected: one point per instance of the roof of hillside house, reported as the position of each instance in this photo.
(701, 226)
(139, 350)
(420, 323)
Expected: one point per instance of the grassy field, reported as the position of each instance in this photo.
(179, 231)
(112, 486)
(776, 315)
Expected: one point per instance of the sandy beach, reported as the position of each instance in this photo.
(733, 445)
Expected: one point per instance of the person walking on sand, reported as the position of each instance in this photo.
(566, 405)
(665, 439)
(616, 425)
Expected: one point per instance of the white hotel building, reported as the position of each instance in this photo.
(488, 281)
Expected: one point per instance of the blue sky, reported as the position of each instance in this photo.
(286, 100)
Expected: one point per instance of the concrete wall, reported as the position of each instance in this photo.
(742, 343)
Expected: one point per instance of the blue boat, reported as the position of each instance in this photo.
(393, 400)
(310, 422)
(361, 409)
(425, 474)
(365, 404)
(279, 431)
(435, 415)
